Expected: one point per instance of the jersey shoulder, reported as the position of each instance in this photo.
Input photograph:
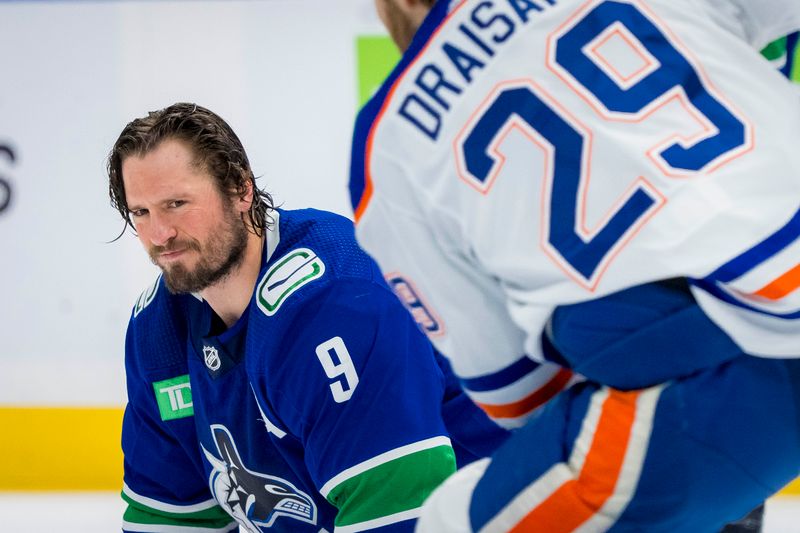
(321, 244)
(315, 264)
(158, 327)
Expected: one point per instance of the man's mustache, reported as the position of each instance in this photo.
(173, 245)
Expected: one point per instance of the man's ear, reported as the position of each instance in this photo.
(245, 195)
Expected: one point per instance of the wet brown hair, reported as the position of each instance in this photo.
(215, 146)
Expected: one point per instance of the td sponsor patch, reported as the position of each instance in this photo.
(174, 397)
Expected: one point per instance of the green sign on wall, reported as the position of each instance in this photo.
(376, 56)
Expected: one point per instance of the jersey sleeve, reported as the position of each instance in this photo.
(164, 485)
(755, 296)
(359, 387)
(473, 434)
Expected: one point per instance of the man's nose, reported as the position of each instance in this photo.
(162, 230)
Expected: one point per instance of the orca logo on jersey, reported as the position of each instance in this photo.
(211, 357)
(255, 500)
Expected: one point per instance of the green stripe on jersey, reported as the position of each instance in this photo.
(211, 518)
(775, 49)
(778, 52)
(401, 484)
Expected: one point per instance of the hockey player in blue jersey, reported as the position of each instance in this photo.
(598, 185)
(274, 381)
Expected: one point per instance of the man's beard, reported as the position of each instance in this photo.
(221, 255)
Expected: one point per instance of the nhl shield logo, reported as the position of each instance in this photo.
(211, 356)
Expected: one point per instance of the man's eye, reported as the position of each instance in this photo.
(136, 213)
(176, 203)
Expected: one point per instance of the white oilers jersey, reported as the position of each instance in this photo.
(531, 153)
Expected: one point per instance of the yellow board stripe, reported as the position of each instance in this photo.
(60, 448)
(73, 448)
(792, 489)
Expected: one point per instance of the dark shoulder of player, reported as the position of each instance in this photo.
(158, 326)
(332, 239)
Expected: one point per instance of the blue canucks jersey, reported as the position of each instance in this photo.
(318, 409)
